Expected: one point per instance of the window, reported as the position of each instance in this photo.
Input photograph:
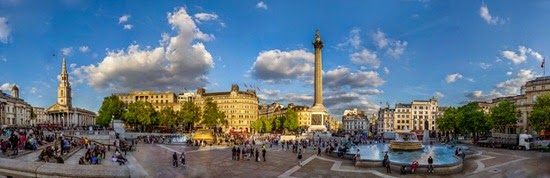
(534, 98)
(542, 87)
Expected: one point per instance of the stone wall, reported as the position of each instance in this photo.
(18, 168)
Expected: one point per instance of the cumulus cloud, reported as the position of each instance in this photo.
(277, 66)
(521, 55)
(439, 95)
(369, 91)
(365, 57)
(201, 17)
(261, 5)
(6, 86)
(508, 73)
(182, 61)
(453, 77)
(67, 51)
(4, 30)
(123, 18)
(479, 96)
(395, 48)
(128, 26)
(353, 40)
(84, 49)
(386, 70)
(512, 86)
(492, 20)
(342, 76)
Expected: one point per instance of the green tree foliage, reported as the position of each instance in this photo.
(449, 120)
(111, 106)
(268, 124)
(258, 125)
(211, 116)
(291, 120)
(190, 113)
(472, 119)
(540, 117)
(504, 115)
(141, 113)
(167, 117)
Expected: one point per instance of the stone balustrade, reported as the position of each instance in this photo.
(18, 168)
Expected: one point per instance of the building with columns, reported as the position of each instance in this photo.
(159, 100)
(62, 113)
(14, 110)
(40, 114)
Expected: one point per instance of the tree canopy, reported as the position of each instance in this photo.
(111, 106)
(504, 115)
(291, 120)
(211, 116)
(540, 117)
(190, 113)
(167, 117)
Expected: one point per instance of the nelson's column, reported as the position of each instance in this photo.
(318, 111)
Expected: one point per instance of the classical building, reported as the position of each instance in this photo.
(524, 102)
(14, 110)
(240, 107)
(159, 100)
(354, 120)
(40, 114)
(187, 96)
(279, 110)
(403, 115)
(422, 111)
(62, 112)
(385, 115)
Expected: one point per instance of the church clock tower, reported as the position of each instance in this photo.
(64, 88)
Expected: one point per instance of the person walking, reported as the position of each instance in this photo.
(318, 151)
(263, 152)
(175, 159)
(430, 164)
(182, 158)
(257, 155)
(388, 166)
(300, 158)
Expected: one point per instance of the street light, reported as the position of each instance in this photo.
(113, 122)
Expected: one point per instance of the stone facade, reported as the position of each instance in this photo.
(354, 120)
(240, 107)
(411, 116)
(159, 100)
(62, 113)
(14, 110)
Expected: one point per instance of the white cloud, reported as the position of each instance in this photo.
(508, 73)
(3, 58)
(395, 48)
(261, 5)
(512, 86)
(484, 13)
(365, 57)
(6, 86)
(342, 76)
(4, 30)
(521, 55)
(453, 77)
(386, 70)
(33, 90)
(84, 49)
(67, 51)
(72, 65)
(205, 17)
(484, 65)
(479, 96)
(380, 39)
(180, 62)
(123, 18)
(128, 26)
(353, 40)
(369, 91)
(439, 95)
(470, 79)
(277, 66)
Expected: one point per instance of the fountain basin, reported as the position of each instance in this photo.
(405, 141)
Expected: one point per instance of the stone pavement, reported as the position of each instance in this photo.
(156, 159)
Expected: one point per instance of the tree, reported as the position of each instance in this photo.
(504, 115)
(141, 113)
(190, 113)
(471, 118)
(211, 116)
(540, 117)
(291, 120)
(449, 121)
(258, 125)
(268, 124)
(111, 107)
(33, 115)
(167, 117)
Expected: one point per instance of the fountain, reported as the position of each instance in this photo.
(405, 141)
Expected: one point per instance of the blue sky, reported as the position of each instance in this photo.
(375, 51)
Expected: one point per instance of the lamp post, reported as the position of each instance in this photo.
(113, 122)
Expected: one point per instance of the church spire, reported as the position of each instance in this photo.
(64, 88)
(64, 67)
